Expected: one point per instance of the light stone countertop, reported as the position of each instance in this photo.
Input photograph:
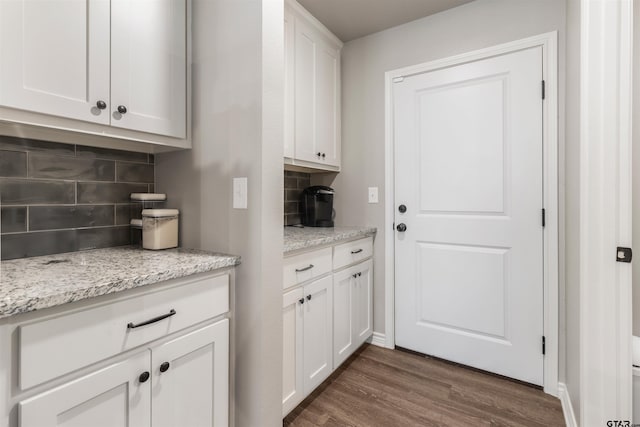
(30, 284)
(298, 238)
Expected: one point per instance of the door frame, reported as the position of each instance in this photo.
(606, 81)
(549, 44)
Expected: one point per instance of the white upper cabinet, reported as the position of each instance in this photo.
(148, 66)
(289, 71)
(312, 92)
(54, 57)
(118, 64)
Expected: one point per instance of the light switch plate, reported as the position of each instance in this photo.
(373, 194)
(240, 193)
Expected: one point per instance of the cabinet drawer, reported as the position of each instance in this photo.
(59, 345)
(303, 267)
(352, 252)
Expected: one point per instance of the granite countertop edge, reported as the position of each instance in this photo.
(298, 239)
(42, 297)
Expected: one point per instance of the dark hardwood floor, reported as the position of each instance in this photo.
(381, 387)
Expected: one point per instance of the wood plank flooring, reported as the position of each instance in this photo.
(381, 387)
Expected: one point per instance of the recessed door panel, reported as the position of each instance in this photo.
(462, 168)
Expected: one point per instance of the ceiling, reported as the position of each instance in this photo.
(350, 19)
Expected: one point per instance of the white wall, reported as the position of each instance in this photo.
(476, 25)
(238, 97)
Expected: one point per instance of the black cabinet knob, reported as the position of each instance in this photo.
(143, 377)
(355, 275)
(165, 367)
(301, 300)
(309, 297)
(401, 228)
(323, 155)
(319, 154)
(122, 109)
(101, 105)
(402, 208)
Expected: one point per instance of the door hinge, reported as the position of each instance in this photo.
(398, 79)
(544, 345)
(543, 90)
(544, 217)
(624, 254)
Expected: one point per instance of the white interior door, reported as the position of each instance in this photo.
(469, 267)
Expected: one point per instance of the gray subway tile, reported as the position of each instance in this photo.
(292, 220)
(13, 219)
(94, 238)
(13, 163)
(135, 172)
(109, 154)
(292, 195)
(124, 213)
(24, 144)
(304, 183)
(24, 245)
(290, 183)
(26, 192)
(57, 217)
(99, 192)
(58, 167)
(291, 207)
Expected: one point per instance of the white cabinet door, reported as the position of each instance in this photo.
(148, 66)
(109, 397)
(318, 330)
(363, 300)
(54, 57)
(289, 70)
(327, 109)
(292, 348)
(191, 379)
(343, 315)
(305, 93)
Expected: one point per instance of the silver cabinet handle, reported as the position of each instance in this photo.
(356, 251)
(300, 270)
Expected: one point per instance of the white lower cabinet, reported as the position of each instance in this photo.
(324, 319)
(307, 340)
(352, 313)
(110, 397)
(182, 382)
(189, 375)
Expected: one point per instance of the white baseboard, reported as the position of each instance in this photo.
(378, 339)
(567, 408)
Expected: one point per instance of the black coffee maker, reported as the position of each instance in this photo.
(316, 206)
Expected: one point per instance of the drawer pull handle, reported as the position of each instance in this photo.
(356, 251)
(301, 300)
(309, 297)
(164, 367)
(150, 321)
(144, 377)
(300, 270)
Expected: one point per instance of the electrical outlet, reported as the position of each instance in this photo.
(240, 193)
(373, 194)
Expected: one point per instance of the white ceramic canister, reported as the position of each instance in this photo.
(160, 228)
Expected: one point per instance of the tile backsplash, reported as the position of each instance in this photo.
(58, 198)
(294, 183)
